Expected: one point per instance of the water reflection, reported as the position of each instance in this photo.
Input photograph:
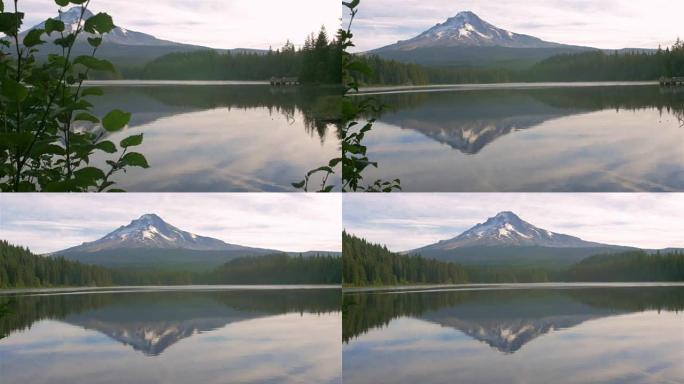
(533, 336)
(225, 137)
(547, 139)
(245, 335)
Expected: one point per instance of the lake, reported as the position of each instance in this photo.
(222, 136)
(546, 334)
(530, 138)
(173, 335)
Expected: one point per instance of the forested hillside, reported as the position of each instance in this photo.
(317, 62)
(19, 268)
(279, 269)
(630, 266)
(364, 263)
(584, 66)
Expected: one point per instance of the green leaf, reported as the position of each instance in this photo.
(15, 139)
(95, 41)
(100, 23)
(10, 22)
(89, 174)
(106, 146)
(62, 3)
(132, 141)
(92, 91)
(95, 63)
(13, 90)
(115, 120)
(66, 41)
(135, 159)
(33, 38)
(54, 25)
(299, 185)
(85, 116)
(117, 190)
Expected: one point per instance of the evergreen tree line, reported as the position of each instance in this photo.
(585, 66)
(367, 264)
(20, 268)
(319, 61)
(364, 263)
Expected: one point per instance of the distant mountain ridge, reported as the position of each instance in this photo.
(124, 47)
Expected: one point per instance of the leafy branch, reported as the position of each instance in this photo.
(43, 103)
(354, 159)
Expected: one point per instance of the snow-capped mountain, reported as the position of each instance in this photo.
(467, 40)
(507, 229)
(118, 35)
(151, 231)
(466, 29)
(507, 240)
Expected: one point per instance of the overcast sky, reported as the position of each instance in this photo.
(595, 23)
(212, 23)
(410, 220)
(287, 222)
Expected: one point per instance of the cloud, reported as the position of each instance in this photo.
(289, 222)
(601, 24)
(411, 220)
(213, 23)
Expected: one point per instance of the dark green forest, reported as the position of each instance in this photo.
(364, 264)
(319, 61)
(630, 266)
(367, 264)
(20, 268)
(585, 66)
(279, 269)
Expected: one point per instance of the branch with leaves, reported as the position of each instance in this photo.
(354, 158)
(42, 103)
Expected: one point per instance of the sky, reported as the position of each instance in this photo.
(212, 23)
(407, 221)
(293, 222)
(608, 24)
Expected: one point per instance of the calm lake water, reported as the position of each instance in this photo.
(166, 336)
(531, 138)
(222, 136)
(562, 335)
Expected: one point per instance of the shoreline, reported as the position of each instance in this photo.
(502, 286)
(380, 90)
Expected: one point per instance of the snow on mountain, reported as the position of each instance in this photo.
(151, 231)
(507, 229)
(466, 29)
(118, 35)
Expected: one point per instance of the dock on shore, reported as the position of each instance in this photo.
(284, 81)
(671, 81)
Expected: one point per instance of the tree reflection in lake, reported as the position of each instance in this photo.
(528, 333)
(600, 138)
(286, 334)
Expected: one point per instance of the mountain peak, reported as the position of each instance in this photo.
(152, 232)
(467, 29)
(508, 229)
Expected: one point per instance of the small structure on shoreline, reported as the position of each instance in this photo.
(284, 81)
(671, 81)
